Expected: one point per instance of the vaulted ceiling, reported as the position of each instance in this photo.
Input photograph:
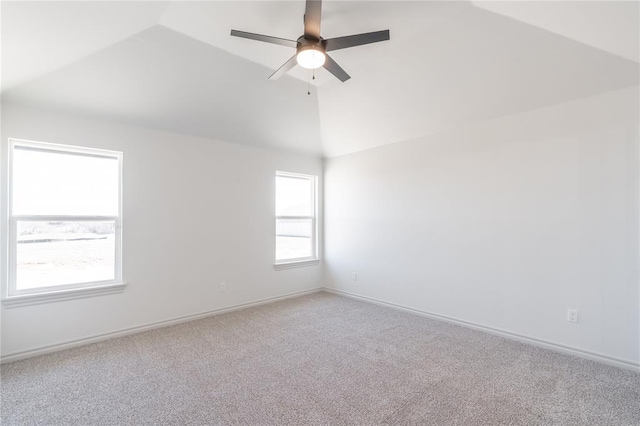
(173, 65)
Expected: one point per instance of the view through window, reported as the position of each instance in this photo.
(295, 217)
(65, 217)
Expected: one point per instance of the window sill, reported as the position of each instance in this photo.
(57, 296)
(296, 264)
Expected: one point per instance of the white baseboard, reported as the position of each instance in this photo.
(622, 363)
(627, 364)
(15, 356)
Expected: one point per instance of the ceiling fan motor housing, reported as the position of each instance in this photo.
(305, 43)
(310, 52)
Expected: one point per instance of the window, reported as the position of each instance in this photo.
(64, 218)
(295, 219)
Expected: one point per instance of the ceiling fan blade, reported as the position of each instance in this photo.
(356, 40)
(312, 15)
(333, 67)
(265, 38)
(284, 68)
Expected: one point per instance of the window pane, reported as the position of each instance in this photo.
(59, 253)
(293, 238)
(52, 183)
(294, 196)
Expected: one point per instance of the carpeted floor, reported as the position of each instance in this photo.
(318, 359)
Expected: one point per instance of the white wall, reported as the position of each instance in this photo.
(196, 212)
(505, 224)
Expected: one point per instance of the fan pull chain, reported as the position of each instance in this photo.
(313, 70)
(308, 85)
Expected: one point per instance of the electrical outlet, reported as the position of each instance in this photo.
(223, 286)
(354, 276)
(572, 315)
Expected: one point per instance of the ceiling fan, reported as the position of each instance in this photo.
(311, 49)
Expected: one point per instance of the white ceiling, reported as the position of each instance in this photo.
(40, 37)
(174, 66)
(608, 25)
(163, 79)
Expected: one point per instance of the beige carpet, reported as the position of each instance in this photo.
(319, 359)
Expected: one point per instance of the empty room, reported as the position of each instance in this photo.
(311, 212)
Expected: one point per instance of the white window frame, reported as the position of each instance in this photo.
(15, 297)
(313, 259)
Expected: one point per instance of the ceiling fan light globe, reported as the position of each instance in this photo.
(310, 58)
